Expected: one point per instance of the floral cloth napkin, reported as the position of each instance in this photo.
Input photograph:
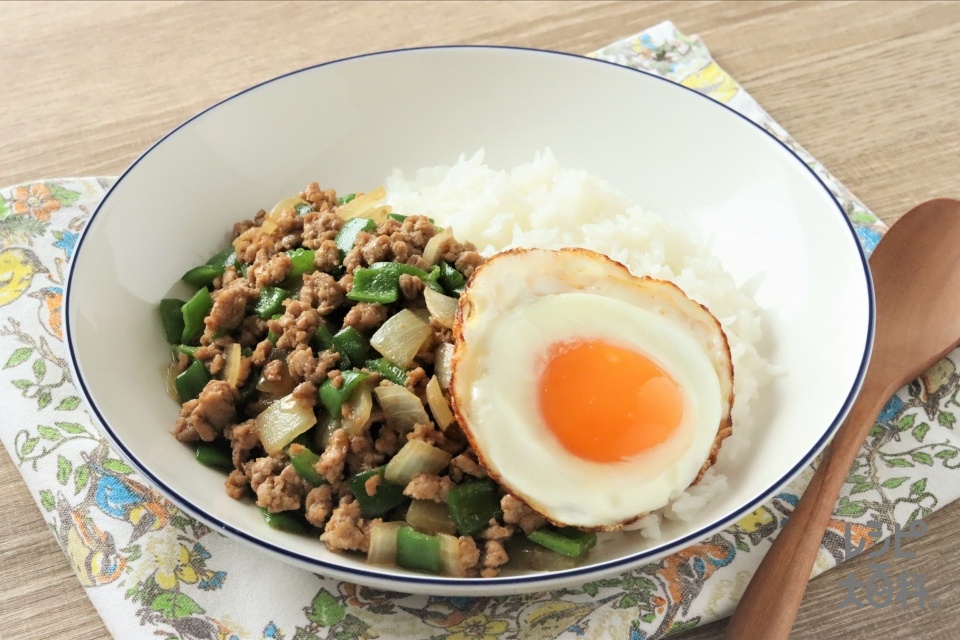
(151, 571)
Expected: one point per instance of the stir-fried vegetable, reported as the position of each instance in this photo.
(528, 555)
(203, 275)
(366, 205)
(567, 541)
(185, 349)
(442, 308)
(443, 365)
(231, 367)
(451, 563)
(226, 258)
(333, 397)
(415, 457)
(383, 543)
(289, 521)
(194, 311)
(401, 408)
(270, 301)
(214, 455)
(358, 408)
(388, 370)
(304, 463)
(418, 551)
(387, 496)
(282, 421)
(281, 387)
(191, 382)
(171, 318)
(430, 517)
(400, 337)
(439, 406)
(432, 252)
(451, 279)
(347, 236)
(473, 504)
(302, 262)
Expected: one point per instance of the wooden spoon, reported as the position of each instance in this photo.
(916, 280)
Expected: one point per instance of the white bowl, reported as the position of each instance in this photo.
(347, 124)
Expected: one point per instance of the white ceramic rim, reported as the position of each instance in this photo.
(472, 586)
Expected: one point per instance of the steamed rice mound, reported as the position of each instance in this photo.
(544, 205)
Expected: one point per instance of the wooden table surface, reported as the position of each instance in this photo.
(872, 90)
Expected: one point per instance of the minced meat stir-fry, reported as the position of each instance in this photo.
(313, 364)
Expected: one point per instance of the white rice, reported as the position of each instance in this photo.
(541, 204)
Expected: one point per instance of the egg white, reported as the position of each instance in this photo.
(509, 319)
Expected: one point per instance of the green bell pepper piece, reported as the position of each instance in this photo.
(185, 349)
(400, 217)
(473, 504)
(191, 382)
(451, 279)
(418, 551)
(303, 208)
(289, 521)
(388, 496)
(226, 258)
(214, 455)
(351, 344)
(396, 269)
(302, 260)
(347, 198)
(347, 236)
(304, 461)
(388, 370)
(567, 541)
(333, 398)
(270, 301)
(194, 311)
(203, 276)
(171, 318)
(371, 285)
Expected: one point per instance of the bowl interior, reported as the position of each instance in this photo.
(348, 124)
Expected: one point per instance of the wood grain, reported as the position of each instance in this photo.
(871, 89)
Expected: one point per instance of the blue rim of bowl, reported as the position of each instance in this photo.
(544, 580)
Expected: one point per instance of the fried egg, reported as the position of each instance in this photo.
(592, 395)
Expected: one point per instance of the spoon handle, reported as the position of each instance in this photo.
(769, 605)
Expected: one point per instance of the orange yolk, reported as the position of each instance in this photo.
(605, 403)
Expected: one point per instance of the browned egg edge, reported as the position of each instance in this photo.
(725, 428)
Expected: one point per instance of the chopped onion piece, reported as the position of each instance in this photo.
(383, 542)
(282, 421)
(431, 252)
(328, 424)
(231, 368)
(356, 411)
(439, 406)
(451, 564)
(415, 457)
(364, 205)
(442, 308)
(280, 387)
(401, 408)
(430, 517)
(443, 364)
(400, 338)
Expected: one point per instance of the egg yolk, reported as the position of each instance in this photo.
(605, 403)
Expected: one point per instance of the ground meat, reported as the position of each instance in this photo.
(440, 333)
(262, 468)
(207, 352)
(243, 438)
(388, 441)
(282, 492)
(366, 316)
(290, 229)
(306, 394)
(410, 286)
(321, 199)
(272, 271)
(469, 554)
(237, 485)
(296, 326)
(230, 306)
(346, 282)
(428, 433)
(305, 366)
(376, 249)
(273, 372)
(333, 458)
(416, 378)
(216, 365)
(206, 416)
(319, 227)
(494, 557)
(327, 257)
(319, 504)
(261, 353)
(346, 529)
(253, 329)
(467, 263)
(183, 361)
(243, 225)
(465, 464)
(362, 455)
(321, 292)
(495, 531)
(370, 486)
(354, 258)
(427, 486)
(516, 512)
